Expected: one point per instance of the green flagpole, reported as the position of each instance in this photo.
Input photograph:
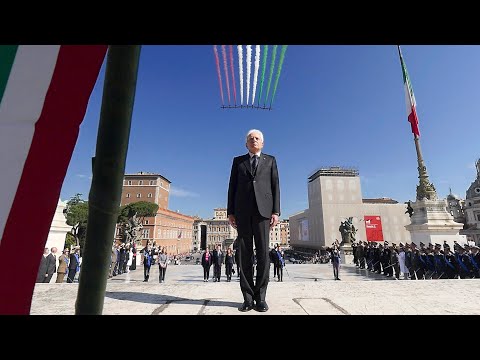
(108, 172)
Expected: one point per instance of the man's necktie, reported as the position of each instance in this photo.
(254, 163)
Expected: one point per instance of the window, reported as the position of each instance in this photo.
(150, 195)
(478, 217)
(140, 182)
(128, 195)
(129, 182)
(146, 222)
(139, 195)
(152, 182)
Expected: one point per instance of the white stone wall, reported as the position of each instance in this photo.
(58, 231)
(331, 200)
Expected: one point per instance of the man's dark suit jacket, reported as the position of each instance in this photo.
(264, 184)
(42, 270)
(51, 264)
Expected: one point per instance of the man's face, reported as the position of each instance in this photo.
(254, 142)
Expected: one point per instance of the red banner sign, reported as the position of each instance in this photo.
(373, 227)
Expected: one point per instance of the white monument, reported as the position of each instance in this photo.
(431, 223)
(58, 231)
(430, 220)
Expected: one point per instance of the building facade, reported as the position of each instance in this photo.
(169, 229)
(212, 232)
(472, 210)
(280, 234)
(334, 194)
(218, 231)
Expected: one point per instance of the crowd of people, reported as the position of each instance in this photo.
(407, 261)
(68, 264)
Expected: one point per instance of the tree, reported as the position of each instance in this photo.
(69, 241)
(76, 213)
(132, 216)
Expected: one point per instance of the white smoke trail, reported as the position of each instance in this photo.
(255, 77)
(249, 69)
(240, 71)
(224, 53)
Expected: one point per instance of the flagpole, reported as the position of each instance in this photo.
(425, 189)
(108, 172)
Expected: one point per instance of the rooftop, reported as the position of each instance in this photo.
(333, 171)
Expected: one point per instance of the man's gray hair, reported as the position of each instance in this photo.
(252, 131)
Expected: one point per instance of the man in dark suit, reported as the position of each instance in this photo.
(42, 269)
(51, 264)
(218, 260)
(253, 209)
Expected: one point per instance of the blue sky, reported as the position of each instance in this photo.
(334, 105)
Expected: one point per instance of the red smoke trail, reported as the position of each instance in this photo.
(218, 71)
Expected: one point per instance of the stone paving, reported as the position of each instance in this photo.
(306, 290)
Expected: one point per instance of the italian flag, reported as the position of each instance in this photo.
(409, 98)
(44, 92)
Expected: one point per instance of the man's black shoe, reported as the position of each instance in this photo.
(245, 307)
(261, 306)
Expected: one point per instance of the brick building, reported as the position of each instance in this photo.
(167, 228)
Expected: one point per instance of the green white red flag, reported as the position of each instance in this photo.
(44, 92)
(409, 98)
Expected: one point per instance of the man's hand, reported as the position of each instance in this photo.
(273, 220)
(231, 220)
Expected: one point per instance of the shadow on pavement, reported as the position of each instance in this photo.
(159, 299)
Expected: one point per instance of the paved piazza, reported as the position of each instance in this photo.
(306, 290)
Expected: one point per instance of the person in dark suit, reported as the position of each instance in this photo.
(74, 264)
(218, 260)
(51, 264)
(253, 209)
(42, 269)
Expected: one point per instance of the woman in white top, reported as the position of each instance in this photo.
(130, 258)
(401, 261)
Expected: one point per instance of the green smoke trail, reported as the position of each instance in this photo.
(264, 65)
(272, 65)
(279, 70)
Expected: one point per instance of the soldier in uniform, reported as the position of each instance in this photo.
(475, 260)
(361, 254)
(377, 258)
(387, 269)
(463, 262)
(430, 260)
(394, 261)
(408, 259)
(439, 262)
(370, 254)
(418, 271)
(450, 263)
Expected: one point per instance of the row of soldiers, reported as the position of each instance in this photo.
(424, 263)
